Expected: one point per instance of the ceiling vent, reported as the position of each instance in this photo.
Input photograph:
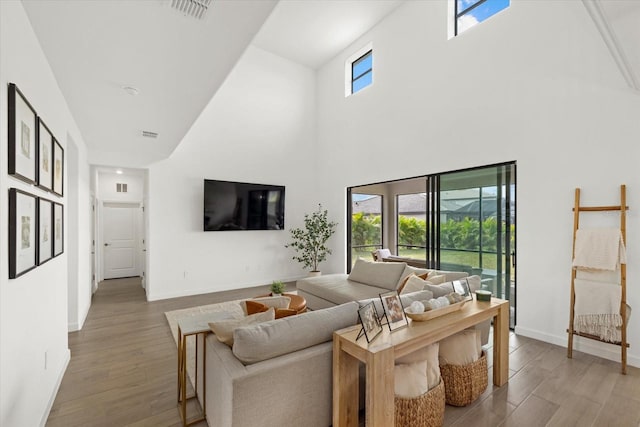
(194, 8)
(149, 134)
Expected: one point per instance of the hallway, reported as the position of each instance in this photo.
(123, 362)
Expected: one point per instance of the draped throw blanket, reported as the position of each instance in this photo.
(597, 309)
(599, 249)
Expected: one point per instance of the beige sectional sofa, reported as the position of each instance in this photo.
(367, 280)
(279, 373)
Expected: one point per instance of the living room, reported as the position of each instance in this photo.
(535, 84)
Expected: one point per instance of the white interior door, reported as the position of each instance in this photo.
(120, 226)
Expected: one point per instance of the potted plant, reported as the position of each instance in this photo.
(310, 242)
(277, 287)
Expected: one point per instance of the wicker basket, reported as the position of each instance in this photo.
(422, 411)
(464, 384)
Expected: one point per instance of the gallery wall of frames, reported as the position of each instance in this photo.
(36, 224)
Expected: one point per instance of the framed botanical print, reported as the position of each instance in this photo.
(45, 156)
(58, 229)
(22, 124)
(58, 167)
(22, 232)
(45, 229)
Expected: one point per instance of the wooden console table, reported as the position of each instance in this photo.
(380, 354)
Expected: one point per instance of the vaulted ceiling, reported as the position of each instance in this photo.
(126, 67)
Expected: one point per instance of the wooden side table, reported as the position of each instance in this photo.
(198, 327)
(379, 357)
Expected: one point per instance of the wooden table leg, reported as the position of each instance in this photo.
(380, 407)
(501, 346)
(345, 387)
(183, 373)
(179, 362)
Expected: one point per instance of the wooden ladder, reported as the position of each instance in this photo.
(623, 274)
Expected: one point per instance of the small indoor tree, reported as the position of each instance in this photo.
(310, 242)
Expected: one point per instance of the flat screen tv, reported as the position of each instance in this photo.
(242, 206)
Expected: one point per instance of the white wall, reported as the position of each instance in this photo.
(33, 308)
(533, 84)
(260, 128)
(107, 187)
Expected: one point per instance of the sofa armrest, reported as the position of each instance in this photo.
(292, 389)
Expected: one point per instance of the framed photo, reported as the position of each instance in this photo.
(45, 156)
(393, 310)
(462, 287)
(58, 229)
(22, 232)
(45, 228)
(371, 326)
(58, 167)
(22, 124)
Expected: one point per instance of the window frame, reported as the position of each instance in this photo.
(458, 14)
(348, 69)
(354, 64)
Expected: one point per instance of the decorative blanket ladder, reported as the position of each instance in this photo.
(623, 275)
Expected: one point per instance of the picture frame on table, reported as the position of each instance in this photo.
(45, 157)
(461, 287)
(393, 310)
(371, 326)
(58, 168)
(58, 229)
(22, 125)
(22, 232)
(45, 230)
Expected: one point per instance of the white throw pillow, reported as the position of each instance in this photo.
(224, 328)
(275, 302)
(428, 354)
(460, 349)
(411, 379)
(435, 278)
(413, 284)
(409, 270)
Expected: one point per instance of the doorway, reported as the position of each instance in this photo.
(121, 236)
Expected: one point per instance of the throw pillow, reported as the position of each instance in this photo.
(429, 355)
(460, 349)
(436, 279)
(412, 283)
(275, 302)
(285, 312)
(224, 328)
(411, 379)
(408, 271)
(439, 290)
(254, 307)
(379, 274)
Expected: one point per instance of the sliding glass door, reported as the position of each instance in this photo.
(477, 226)
(366, 225)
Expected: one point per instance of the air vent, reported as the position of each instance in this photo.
(194, 8)
(121, 188)
(149, 134)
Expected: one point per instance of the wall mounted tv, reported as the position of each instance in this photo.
(242, 206)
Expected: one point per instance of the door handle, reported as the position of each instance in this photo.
(107, 244)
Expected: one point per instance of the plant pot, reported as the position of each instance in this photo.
(314, 274)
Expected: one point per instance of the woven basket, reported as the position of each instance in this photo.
(422, 411)
(464, 384)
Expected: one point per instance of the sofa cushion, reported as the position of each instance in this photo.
(338, 289)
(264, 341)
(379, 274)
(224, 329)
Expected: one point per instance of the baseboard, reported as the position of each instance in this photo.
(585, 345)
(52, 399)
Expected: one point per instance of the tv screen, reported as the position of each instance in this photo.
(242, 206)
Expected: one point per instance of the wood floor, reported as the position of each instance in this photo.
(123, 373)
